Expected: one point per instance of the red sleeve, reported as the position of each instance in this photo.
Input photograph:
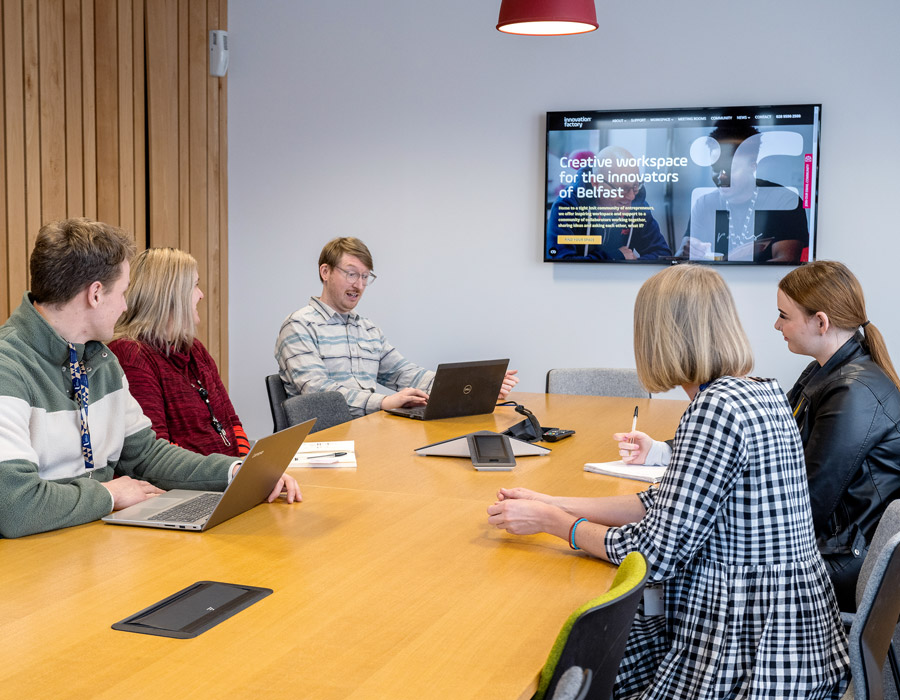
(144, 382)
(243, 444)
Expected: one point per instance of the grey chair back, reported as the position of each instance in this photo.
(328, 408)
(596, 381)
(277, 397)
(888, 526)
(878, 609)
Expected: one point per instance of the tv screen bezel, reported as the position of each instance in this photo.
(628, 119)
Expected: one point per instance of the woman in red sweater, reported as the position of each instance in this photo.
(170, 373)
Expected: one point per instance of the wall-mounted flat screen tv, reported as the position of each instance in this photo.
(726, 185)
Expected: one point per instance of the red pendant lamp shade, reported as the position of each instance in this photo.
(547, 17)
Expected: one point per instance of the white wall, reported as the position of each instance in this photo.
(418, 127)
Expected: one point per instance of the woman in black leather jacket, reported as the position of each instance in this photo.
(847, 406)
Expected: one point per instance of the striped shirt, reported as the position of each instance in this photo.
(319, 349)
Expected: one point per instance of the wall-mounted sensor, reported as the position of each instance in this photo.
(218, 52)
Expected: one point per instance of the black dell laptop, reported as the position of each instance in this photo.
(460, 389)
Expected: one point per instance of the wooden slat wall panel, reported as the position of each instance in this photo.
(192, 152)
(107, 110)
(88, 111)
(32, 137)
(52, 107)
(125, 111)
(162, 121)
(107, 107)
(184, 134)
(4, 258)
(74, 115)
(195, 72)
(221, 276)
(185, 205)
(14, 153)
(139, 122)
(211, 234)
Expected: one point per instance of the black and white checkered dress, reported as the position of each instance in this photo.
(749, 609)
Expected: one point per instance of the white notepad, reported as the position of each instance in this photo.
(318, 454)
(618, 468)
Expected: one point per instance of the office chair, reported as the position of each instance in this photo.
(574, 684)
(277, 397)
(594, 636)
(877, 612)
(328, 408)
(596, 381)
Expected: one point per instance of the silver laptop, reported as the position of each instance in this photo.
(460, 389)
(182, 509)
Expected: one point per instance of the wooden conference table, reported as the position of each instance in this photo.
(388, 582)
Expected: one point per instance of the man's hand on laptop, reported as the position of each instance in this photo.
(127, 491)
(288, 487)
(509, 381)
(405, 398)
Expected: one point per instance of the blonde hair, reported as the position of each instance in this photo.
(687, 331)
(829, 286)
(159, 311)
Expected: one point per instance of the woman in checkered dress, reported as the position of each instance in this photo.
(748, 610)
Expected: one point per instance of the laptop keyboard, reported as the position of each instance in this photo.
(200, 507)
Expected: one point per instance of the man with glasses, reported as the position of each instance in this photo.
(607, 211)
(327, 346)
(68, 423)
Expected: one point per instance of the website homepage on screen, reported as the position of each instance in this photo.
(730, 185)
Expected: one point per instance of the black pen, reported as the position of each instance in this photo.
(327, 454)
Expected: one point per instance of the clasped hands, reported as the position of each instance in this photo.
(524, 512)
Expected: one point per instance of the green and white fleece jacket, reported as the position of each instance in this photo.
(43, 481)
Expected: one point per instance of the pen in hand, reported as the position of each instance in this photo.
(633, 428)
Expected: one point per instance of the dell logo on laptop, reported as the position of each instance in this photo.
(467, 389)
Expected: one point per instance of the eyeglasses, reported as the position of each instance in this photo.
(352, 275)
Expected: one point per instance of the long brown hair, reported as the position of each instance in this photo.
(829, 286)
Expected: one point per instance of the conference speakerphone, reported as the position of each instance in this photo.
(459, 447)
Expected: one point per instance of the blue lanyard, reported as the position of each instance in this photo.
(81, 391)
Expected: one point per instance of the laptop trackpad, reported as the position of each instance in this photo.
(147, 508)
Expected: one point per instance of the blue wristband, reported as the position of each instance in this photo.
(572, 532)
